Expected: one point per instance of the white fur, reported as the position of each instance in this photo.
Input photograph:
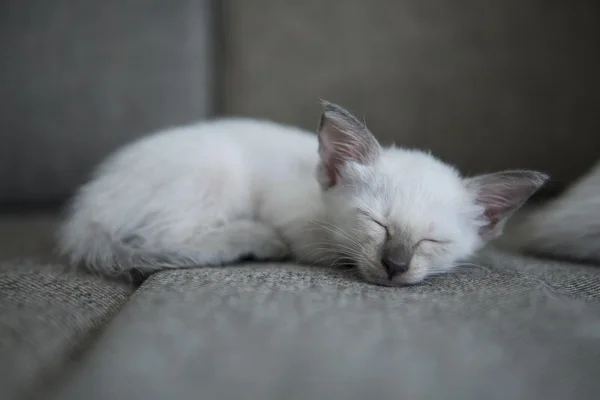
(568, 227)
(214, 192)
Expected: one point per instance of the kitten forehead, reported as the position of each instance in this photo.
(415, 173)
(413, 189)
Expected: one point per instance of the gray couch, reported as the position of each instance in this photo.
(509, 84)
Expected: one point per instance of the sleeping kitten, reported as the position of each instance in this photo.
(216, 192)
(568, 227)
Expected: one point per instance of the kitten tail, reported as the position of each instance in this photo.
(91, 247)
(567, 227)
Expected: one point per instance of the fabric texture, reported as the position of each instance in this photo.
(484, 85)
(80, 78)
(48, 315)
(512, 328)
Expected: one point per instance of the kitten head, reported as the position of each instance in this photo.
(402, 215)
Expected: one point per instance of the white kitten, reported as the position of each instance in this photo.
(568, 227)
(216, 192)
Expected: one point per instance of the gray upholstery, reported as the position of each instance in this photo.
(514, 328)
(484, 85)
(80, 78)
(28, 236)
(48, 314)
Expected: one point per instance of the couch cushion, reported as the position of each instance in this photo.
(48, 315)
(48, 311)
(282, 331)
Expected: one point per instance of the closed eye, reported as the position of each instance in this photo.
(438, 241)
(387, 232)
(381, 224)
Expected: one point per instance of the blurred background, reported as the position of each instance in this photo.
(485, 85)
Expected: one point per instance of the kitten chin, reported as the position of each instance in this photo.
(406, 280)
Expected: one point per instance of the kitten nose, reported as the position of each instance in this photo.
(393, 268)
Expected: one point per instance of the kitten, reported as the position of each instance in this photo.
(568, 227)
(216, 192)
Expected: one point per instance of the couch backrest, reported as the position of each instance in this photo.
(485, 85)
(80, 78)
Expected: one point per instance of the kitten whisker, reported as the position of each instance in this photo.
(470, 266)
(336, 230)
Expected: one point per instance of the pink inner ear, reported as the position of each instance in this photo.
(330, 160)
(502, 194)
(496, 206)
(343, 139)
(493, 217)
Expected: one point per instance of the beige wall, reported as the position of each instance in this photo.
(485, 85)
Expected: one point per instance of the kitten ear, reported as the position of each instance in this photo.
(343, 139)
(501, 194)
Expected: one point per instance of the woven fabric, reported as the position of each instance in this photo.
(48, 314)
(513, 328)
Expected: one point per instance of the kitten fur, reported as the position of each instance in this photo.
(219, 191)
(567, 227)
